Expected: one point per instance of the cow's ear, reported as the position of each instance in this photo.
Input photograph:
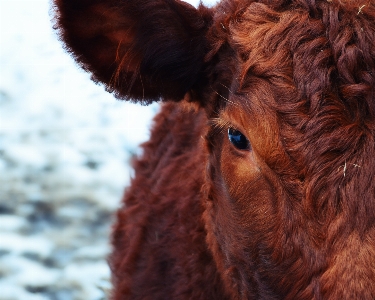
(142, 50)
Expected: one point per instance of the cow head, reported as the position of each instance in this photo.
(289, 91)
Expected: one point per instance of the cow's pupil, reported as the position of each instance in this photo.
(238, 139)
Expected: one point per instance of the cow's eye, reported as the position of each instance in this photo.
(238, 139)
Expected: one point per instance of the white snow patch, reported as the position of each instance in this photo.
(79, 273)
(11, 223)
(92, 252)
(9, 291)
(26, 154)
(25, 244)
(26, 272)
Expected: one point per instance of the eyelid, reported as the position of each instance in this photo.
(224, 124)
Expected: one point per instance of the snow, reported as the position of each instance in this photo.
(65, 148)
(25, 244)
(11, 223)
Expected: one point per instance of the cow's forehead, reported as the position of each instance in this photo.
(322, 56)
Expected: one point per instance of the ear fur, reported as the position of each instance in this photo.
(142, 50)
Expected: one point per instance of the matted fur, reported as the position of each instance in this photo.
(291, 217)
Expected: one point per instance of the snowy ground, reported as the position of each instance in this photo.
(65, 145)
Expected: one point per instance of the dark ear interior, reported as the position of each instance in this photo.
(142, 50)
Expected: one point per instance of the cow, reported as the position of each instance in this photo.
(258, 180)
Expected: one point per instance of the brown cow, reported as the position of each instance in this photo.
(258, 179)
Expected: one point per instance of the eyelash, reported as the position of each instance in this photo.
(221, 126)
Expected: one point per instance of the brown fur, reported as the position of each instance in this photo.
(291, 218)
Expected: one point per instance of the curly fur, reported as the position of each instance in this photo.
(292, 218)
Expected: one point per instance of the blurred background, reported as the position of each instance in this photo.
(65, 147)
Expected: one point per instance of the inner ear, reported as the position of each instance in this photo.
(144, 50)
